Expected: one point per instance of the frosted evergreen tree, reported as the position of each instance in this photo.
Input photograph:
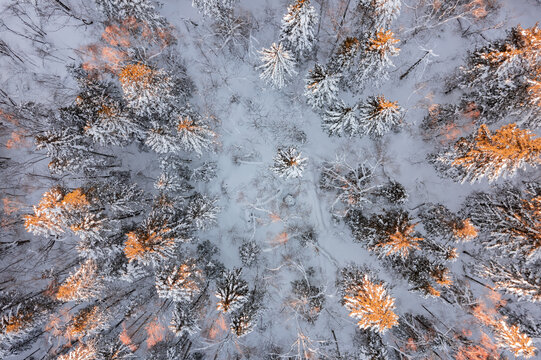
(114, 127)
(194, 134)
(298, 28)
(70, 151)
(379, 13)
(508, 220)
(202, 211)
(180, 283)
(141, 10)
(214, 8)
(146, 90)
(231, 290)
(493, 155)
(376, 56)
(183, 320)
(394, 192)
(249, 253)
(162, 139)
(289, 163)
(243, 320)
(378, 116)
(321, 87)
(343, 60)
(307, 300)
(523, 281)
(341, 119)
(175, 175)
(503, 77)
(278, 65)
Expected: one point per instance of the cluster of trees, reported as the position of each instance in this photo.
(133, 257)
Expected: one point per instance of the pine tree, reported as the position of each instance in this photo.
(231, 290)
(183, 321)
(70, 151)
(298, 28)
(490, 154)
(201, 211)
(376, 56)
(371, 345)
(214, 8)
(501, 77)
(179, 283)
(147, 91)
(401, 241)
(289, 163)
(321, 87)
(249, 253)
(464, 231)
(152, 241)
(278, 65)
(510, 337)
(342, 61)
(161, 139)
(308, 300)
(141, 10)
(341, 119)
(380, 13)
(378, 116)
(394, 192)
(58, 211)
(84, 284)
(519, 280)
(508, 220)
(243, 320)
(194, 135)
(367, 301)
(83, 351)
(113, 127)
(89, 320)
(390, 234)
(175, 175)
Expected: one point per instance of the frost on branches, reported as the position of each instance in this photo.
(278, 65)
(231, 291)
(179, 283)
(141, 10)
(341, 63)
(376, 56)
(298, 28)
(503, 78)
(490, 154)
(367, 300)
(508, 220)
(201, 211)
(186, 131)
(289, 163)
(151, 242)
(379, 13)
(146, 90)
(340, 119)
(378, 116)
(183, 321)
(82, 285)
(523, 281)
(321, 87)
(214, 8)
(354, 184)
(393, 237)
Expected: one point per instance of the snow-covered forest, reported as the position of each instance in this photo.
(270, 179)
